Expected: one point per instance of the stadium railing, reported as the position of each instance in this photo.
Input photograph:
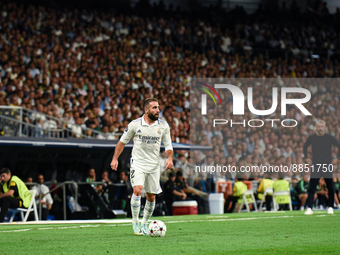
(60, 185)
(17, 121)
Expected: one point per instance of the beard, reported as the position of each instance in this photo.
(152, 117)
(320, 132)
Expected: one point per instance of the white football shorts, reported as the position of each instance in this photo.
(150, 181)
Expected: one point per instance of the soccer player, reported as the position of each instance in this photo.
(147, 132)
(14, 193)
(322, 163)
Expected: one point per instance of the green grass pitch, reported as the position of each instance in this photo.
(237, 233)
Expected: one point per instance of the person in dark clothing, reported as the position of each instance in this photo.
(122, 199)
(192, 194)
(336, 182)
(300, 192)
(181, 184)
(172, 193)
(321, 164)
(322, 193)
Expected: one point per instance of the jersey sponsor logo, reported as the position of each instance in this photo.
(139, 131)
(126, 129)
(148, 139)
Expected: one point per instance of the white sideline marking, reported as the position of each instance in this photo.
(128, 222)
(274, 212)
(17, 230)
(217, 216)
(257, 218)
(89, 226)
(81, 226)
(52, 222)
(116, 225)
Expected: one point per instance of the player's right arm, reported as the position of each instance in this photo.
(128, 134)
(119, 148)
(166, 138)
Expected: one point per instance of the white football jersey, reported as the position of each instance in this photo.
(147, 142)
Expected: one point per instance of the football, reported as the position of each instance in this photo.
(157, 228)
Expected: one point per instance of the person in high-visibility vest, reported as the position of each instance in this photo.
(238, 190)
(282, 185)
(266, 183)
(14, 193)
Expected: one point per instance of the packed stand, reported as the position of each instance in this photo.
(93, 69)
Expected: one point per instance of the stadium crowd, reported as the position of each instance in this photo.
(93, 69)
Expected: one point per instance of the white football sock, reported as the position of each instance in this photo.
(148, 211)
(135, 208)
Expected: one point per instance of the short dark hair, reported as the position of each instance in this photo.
(5, 170)
(281, 176)
(179, 173)
(148, 100)
(39, 174)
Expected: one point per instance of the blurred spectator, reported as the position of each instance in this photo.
(123, 178)
(172, 193)
(183, 185)
(106, 182)
(322, 194)
(300, 192)
(46, 198)
(238, 191)
(282, 185)
(336, 182)
(91, 177)
(28, 180)
(266, 183)
(123, 200)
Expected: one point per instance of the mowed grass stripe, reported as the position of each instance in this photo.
(245, 233)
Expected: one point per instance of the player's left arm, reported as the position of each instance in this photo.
(169, 163)
(166, 138)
